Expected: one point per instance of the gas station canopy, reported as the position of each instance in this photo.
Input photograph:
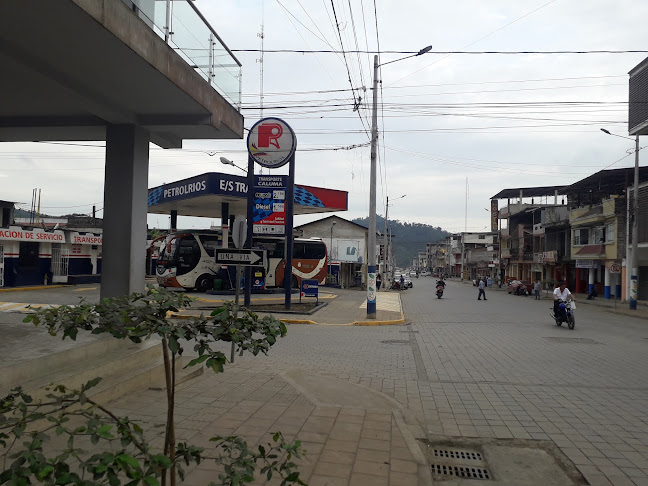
(203, 195)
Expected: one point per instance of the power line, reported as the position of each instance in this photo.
(333, 51)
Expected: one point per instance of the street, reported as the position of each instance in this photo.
(461, 368)
(500, 368)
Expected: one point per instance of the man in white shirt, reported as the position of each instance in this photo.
(563, 294)
(482, 287)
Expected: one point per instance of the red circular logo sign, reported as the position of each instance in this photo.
(271, 142)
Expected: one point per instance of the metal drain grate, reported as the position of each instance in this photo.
(475, 456)
(395, 341)
(442, 471)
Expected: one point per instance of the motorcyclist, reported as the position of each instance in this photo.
(441, 283)
(561, 294)
(402, 281)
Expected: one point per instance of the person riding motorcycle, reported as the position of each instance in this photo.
(561, 294)
(440, 282)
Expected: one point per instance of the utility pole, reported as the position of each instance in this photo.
(371, 245)
(634, 259)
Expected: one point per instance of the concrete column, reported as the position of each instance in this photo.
(225, 223)
(608, 283)
(592, 274)
(125, 193)
(174, 220)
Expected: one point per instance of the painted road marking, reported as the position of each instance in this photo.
(386, 302)
(22, 307)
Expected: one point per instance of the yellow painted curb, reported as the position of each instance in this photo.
(18, 289)
(379, 323)
(297, 321)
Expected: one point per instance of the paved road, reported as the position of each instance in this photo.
(499, 368)
(467, 368)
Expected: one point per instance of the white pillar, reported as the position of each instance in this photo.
(608, 283)
(125, 196)
(591, 279)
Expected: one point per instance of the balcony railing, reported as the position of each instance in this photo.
(184, 28)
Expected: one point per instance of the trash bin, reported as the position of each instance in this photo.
(218, 284)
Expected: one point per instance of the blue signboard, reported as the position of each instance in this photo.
(202, 185)
(270, 204)
(309, 288)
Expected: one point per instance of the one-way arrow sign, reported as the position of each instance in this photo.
(250, 258)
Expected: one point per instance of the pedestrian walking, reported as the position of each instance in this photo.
(536, 289)
(378, 281)
(481, 286)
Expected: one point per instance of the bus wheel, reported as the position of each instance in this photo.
(203, 283)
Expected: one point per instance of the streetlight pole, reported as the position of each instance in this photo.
(387, 242)
(634, 257)
(371, 240)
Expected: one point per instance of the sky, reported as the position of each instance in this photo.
(454, 129)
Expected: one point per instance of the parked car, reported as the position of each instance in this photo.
(520, 287)
(408, 281)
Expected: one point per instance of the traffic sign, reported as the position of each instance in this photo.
(615, 268)
(245, 257)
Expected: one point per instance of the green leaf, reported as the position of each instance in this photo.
(128, 459)
(173, 345)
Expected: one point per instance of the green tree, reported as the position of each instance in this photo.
(26, 426)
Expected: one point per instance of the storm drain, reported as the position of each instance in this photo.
(455, 463)
(441, 472)
(395, 341)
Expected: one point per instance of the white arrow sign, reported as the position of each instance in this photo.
(227, 256)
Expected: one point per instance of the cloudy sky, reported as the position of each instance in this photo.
(497, 120)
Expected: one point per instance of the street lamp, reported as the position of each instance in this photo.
(371, 243)
(227, 161)
(331, 248)
(386, 251)
(635, 223)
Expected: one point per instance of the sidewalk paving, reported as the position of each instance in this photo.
(345, 307)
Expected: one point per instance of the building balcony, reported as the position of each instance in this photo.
(98, 63)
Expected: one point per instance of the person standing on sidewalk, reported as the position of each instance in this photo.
(536, 289)
(482, 286)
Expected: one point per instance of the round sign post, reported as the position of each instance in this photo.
(271, 143)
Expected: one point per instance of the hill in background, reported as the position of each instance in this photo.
(408, 238)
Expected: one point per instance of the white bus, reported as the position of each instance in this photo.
(186, 260)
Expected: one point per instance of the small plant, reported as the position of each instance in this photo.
(25, 425)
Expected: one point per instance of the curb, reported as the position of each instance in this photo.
(379, 323)
(41, 287)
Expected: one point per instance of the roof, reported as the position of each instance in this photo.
(590, 251)
(331, 218)
(605, 183)
(202, 196)
(529, 192)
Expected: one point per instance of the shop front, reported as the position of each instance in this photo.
(26, 255)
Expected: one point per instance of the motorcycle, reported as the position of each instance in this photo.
(439, 291)
(395, 285)
(566, 314)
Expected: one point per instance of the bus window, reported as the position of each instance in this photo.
(210, 243)
(299, 250)
(188, 255)
(314, 251)
(275, 248)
